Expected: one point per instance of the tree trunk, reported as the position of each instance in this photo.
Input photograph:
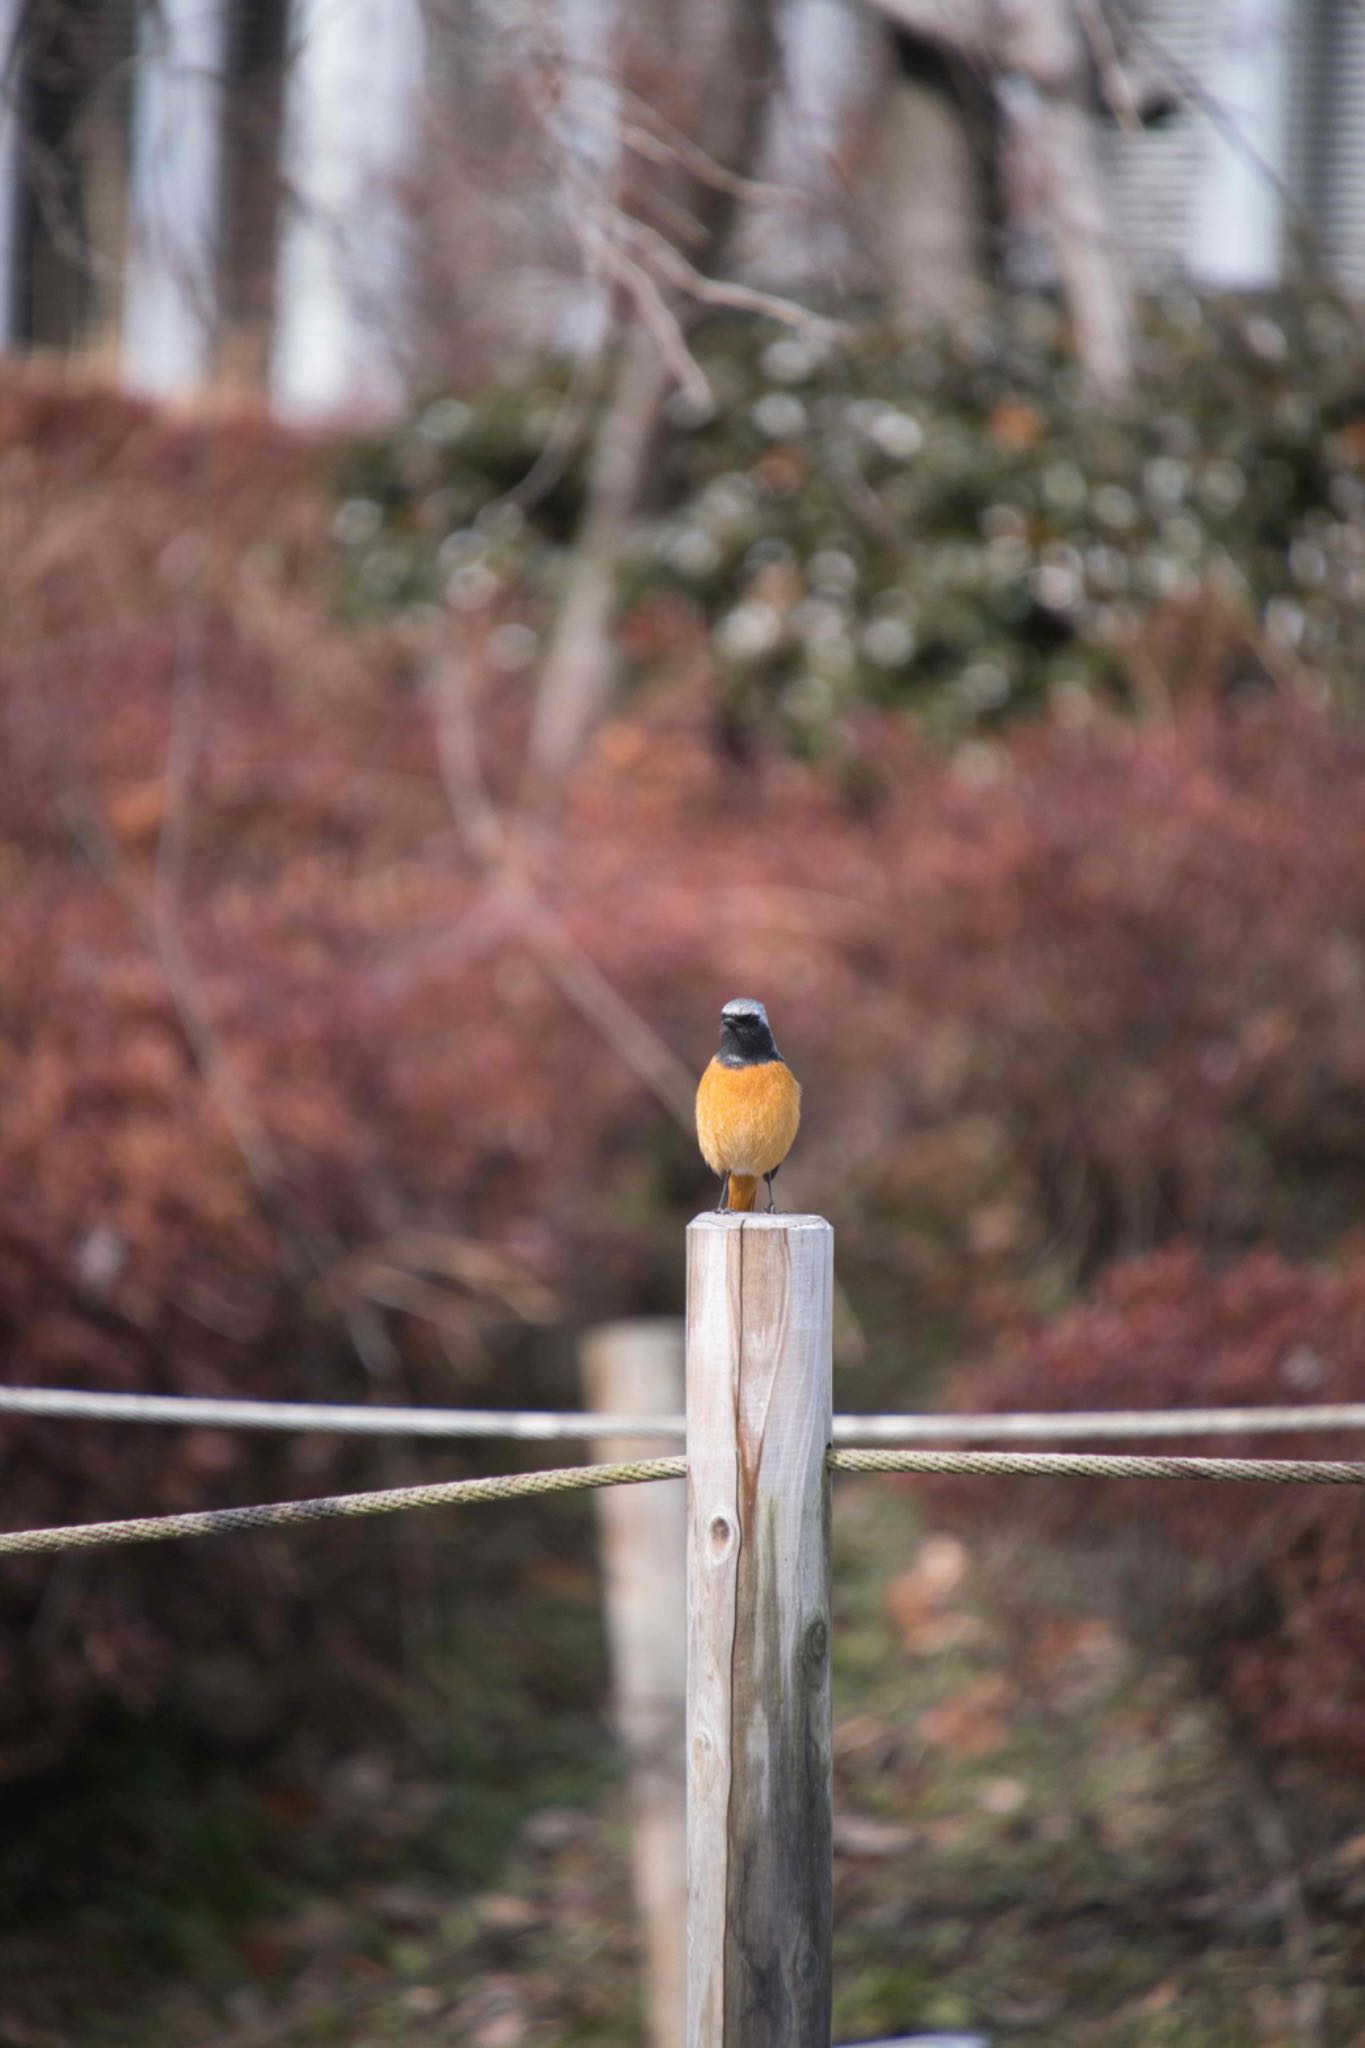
(1034, 52)
(927, 210)
(697, 74)
(1048, 102)
(581, 670)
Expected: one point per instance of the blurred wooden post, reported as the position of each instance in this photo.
(636, 1368)
(759, 1371)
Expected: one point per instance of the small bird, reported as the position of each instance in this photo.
(748, 1106)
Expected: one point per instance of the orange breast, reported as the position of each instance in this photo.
(747, 1116)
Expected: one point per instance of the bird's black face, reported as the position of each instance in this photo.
(745, 1039)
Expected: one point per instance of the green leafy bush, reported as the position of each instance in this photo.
(943, 524)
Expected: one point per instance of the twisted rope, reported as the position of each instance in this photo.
(581, 1478)
(279, 1514)
(1098, 1465)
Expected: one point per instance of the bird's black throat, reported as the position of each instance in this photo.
(746, 1041)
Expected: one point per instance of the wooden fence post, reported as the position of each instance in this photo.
(636, 1368)
(759, 1370)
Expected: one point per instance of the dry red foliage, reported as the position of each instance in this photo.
(1266, 1581)
(286, 1060)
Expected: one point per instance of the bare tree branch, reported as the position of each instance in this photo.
(716, 291)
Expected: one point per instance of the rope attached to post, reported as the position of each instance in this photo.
(1099, 1465)
(281, 1514)
(184, 1411)
(577, 1478)
(542, 1424)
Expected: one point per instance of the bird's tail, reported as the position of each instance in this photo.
(743, 1191)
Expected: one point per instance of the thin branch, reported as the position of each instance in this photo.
(652, 135)
(604, 262)
(481, 1269)
(668, 144)
(1114, 80)
(716, 291)
(313, 1247)
(252, 1141)
(656, 314)
(475, 814)
(578, 978)
(565, 436)
(636, 1042)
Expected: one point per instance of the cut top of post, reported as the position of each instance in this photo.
(754, 1219)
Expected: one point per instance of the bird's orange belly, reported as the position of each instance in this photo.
(747, 1116)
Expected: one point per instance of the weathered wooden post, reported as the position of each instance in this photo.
(759, 1371)
(636, 1368)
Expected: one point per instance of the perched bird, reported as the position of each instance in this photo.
(748, 1106)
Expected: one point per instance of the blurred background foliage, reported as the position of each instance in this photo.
(790, 560)
(1011, 749)
(938, 523)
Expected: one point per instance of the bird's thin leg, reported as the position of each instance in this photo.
(724, 1201)
(769, 1178)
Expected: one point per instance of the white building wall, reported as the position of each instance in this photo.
(1235, 200)
(1237, 217)
(1343, 201)
(1154, 170)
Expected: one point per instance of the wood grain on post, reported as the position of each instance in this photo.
(636, 1368)
(759, 1358)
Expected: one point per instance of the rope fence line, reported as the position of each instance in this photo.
(576, 1478)
(358, 1419)
(1118, 1423)
(281, 1514)
(547, 1425)
(1101, 1465)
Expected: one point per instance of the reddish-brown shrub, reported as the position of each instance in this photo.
(267, 1025)
(1265, 1582)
